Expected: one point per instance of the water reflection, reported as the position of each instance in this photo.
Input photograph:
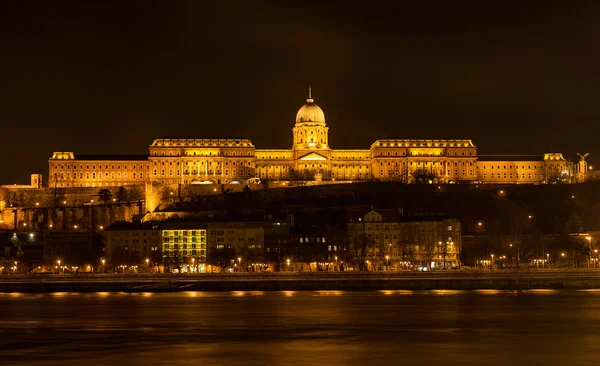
(446, 292)
(397, 292)
(328, 293)
(323, 327)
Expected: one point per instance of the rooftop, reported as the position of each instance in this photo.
(99, 157)
(511, 157)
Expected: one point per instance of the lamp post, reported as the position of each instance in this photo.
(148, 264)
(103, 267)
(288, 264)
(59, 267)
(240, 263)
(387, 262)
(193, 260)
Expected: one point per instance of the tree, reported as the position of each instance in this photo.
(221, 257)
(423, 176)
(429, 253)
(519, 223)
(104, 195)
(265, 183)
(122, 194)
(135, 193)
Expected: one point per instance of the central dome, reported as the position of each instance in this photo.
(310, 112)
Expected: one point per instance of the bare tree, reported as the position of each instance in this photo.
(518, 225)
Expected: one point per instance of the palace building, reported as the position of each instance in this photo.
(224, 161)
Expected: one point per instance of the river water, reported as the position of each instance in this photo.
(545, 327)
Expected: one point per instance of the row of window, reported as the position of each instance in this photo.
(184, 246)
(449, 153)
(98, 175)
(441, 172)
(210, 163)
(498, 176)
(243, 172)
(195, 153)
(510, 167)
(106, 166)
(308, 240)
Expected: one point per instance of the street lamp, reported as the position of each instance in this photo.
(103, 267)
(193, 261)
(288, 263)
(240, 262)
(58, 261)
(387, 262)
(148, 264)
(492, 261)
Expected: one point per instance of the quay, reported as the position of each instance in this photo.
(336, 281)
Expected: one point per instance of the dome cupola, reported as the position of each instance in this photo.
(310, 112)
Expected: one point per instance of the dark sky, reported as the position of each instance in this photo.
(516, 77)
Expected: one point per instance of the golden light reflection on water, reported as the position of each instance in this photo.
(244, 293)
(590, 291)
(329, 293)
(397, 292)
(289, 293)
(103, 294)
(541, 291)
(490, 292)
(147, 294)
(446, 292)
(60, 294)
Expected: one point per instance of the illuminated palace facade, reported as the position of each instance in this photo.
(189, 161)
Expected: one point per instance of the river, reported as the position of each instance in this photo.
(544, 327)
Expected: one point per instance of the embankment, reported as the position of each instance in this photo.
(303, 282)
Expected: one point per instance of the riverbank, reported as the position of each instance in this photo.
(339, 281)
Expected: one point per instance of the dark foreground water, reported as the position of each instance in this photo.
(302, 328)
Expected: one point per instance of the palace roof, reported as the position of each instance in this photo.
(202, 142)
(511, 158)
(422, 143)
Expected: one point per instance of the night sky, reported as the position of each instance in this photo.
(517, 77)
